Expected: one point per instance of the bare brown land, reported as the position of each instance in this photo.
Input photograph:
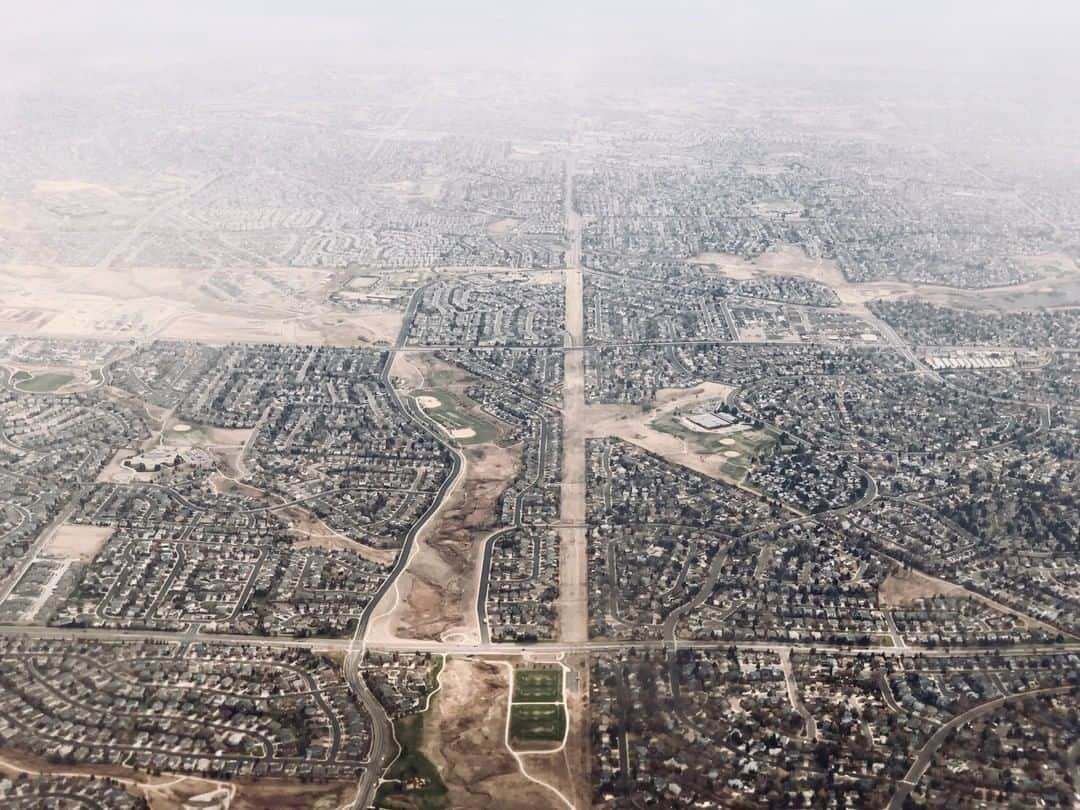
(554, 770)
(464, 736)
(785, 261)
(904, 588)
(76, 542)
(438, 588)
(115, 470)
(278, 795)
(410, 371)
(148, 302)
(168, 792)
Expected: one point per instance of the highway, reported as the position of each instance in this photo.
(541, 648)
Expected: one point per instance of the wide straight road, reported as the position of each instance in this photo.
(541, 648)
(573, 557)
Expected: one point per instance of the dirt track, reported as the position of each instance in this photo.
(573, 566)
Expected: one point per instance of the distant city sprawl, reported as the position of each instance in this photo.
(560, 437)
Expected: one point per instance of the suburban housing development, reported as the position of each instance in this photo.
(412, 441)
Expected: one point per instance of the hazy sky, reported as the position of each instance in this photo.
(1037, 38)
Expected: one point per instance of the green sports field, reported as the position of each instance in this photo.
(452, 416)
(537, 722)
(538, 685)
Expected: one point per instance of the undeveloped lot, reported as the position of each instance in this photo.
(168, 792)
(284, 305)
(904, 588)
(77, 542)
(274, 794)
(784, 261)
(115, 469)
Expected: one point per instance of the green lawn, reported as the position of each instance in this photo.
(538, 685)
(452, 415)
(45, 383)
(537, 722)
(747, 443)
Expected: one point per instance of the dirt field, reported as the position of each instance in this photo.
(164, 792)
(792, 261)
(554, 770)
(409, 371)
(277, 795)
(328, 329)
(438, 588)
(76, 542)
(727, 264)
(168, 792)
(464, 738)
(115, 469)
(904, 588)
(287, 305)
